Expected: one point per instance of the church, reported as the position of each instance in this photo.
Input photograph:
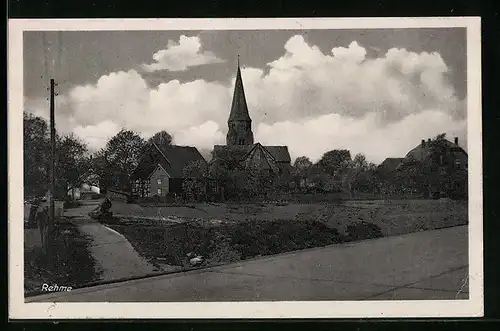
(240, 143)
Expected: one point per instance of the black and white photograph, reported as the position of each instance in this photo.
(245, 168)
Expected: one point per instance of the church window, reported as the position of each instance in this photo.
(241, 141)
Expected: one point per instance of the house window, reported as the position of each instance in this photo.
(159, 181)
(159, 191)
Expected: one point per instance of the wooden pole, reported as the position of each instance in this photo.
(50, 225)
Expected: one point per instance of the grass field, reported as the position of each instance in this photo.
(226, 233)
(394, 217)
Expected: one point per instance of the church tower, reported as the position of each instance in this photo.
(239, 122)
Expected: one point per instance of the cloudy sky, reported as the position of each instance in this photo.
(376, 92)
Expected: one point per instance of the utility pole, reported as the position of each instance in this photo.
(50, 225)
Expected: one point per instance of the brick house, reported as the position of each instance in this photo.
(160, 170)
(432, 168)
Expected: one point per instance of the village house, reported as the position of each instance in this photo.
(432, 168)
(160, 170)
(240, 140)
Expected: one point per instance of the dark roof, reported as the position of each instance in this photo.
(239, 108)
(389, 164)
(279, 153)
(420, 153)
(171, 157)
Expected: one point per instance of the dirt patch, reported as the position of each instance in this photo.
(70, 265)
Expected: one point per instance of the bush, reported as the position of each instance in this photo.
(252, 238)
(363, 230)
(229, 242)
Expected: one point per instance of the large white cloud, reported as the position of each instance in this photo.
(310, 101)
(366, 135)
(182, 55)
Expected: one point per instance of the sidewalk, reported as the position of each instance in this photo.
(115, 256)
(425, 265)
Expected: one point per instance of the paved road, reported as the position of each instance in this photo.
(424, 265)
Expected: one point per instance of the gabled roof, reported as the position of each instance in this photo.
(172, 158)
(279, 153)
(239, 108)
(389, 164)
(420, 153)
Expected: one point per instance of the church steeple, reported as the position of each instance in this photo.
(239, 108)
(239, 122)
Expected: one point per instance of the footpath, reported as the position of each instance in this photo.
(114, 255)
(425, 265)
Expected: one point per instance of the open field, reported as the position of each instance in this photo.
(224, 233)
(394, 217)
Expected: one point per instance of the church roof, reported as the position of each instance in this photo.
(279, 153)
(239, 109)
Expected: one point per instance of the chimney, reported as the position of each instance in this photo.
(423, 143)
(429, 140)
(456, 140)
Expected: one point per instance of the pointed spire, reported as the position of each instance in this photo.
(239, 108)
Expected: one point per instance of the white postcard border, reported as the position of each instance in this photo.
(18, 309)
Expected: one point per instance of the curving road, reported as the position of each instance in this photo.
(424, 265)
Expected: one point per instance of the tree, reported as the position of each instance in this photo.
(301, 169)
(120, 157)
(335, 161)
(195, 179)
(355, 175)
(161, 138)
(72, 164)
(36, 148)
(336, 165)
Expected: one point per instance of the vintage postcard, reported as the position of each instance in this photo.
(245, 168)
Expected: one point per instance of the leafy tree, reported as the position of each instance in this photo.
(161, 138)
(195, 179)
(119, 158)
(337, 166)
(301, 169)
(358, 175)
(101, 169)
(302, 163)
(335, 161)
(72, 164)
(36, 148)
